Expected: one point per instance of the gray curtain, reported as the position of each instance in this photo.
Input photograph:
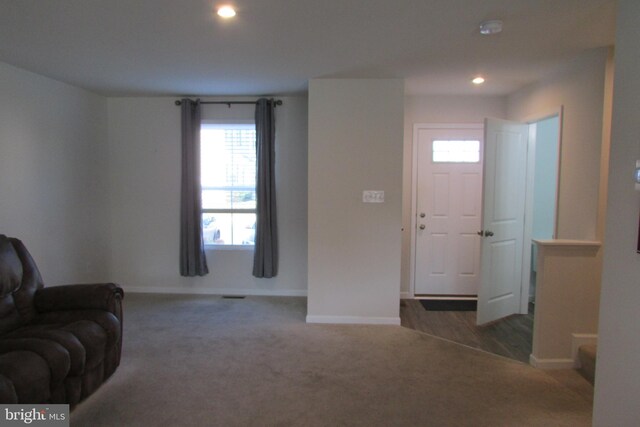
(265, 258)
(193, 261)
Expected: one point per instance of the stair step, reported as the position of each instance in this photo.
(587, 356)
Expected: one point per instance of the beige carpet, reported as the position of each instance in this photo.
(208, 361)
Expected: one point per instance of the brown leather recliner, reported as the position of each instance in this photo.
(57, 344)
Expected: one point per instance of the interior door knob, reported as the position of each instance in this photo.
(422, 214)
(480, 233)
(422, 226)
(488, 233)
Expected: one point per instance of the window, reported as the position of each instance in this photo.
(228, 179)
(456, 151)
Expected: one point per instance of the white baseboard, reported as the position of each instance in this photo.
(550, 363)
(213, 291)
(354, 320)
(569, 363)
(581, 339)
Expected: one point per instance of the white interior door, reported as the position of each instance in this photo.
(503, 219)
(448, 211)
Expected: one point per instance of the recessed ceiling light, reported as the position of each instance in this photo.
(478, 80)
(491, 27)
(226, 12)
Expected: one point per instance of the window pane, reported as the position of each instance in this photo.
(228, 156)
(239, 198)
(229, 228)
(210, 229)
(456, 151)
(243, 199)
(215, 199)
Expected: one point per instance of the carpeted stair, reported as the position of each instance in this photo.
(587, 356)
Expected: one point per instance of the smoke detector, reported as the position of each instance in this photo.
(491, 27)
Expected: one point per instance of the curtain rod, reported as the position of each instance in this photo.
(228, 103)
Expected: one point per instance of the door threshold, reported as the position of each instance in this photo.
(448, 297)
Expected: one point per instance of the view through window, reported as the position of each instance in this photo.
(228, 179)
(456, 151)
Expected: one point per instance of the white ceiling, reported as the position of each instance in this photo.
(179, 47)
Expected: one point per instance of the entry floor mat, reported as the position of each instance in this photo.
(449, 304)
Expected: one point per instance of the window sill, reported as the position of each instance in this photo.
(245, 248)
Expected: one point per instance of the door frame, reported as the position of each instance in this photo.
(528, 209)
(414, 187)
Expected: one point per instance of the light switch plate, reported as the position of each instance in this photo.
(371, 196)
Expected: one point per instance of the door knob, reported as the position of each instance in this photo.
(422, 215)
(488, 233)
(480, 233)
(422, 226)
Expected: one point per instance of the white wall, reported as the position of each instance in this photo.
(579, 88)
(617, 376)
(435, 109)
(52, 175)
(355, 144)
(144, 143)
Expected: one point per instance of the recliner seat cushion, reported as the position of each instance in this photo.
(93, 339)
(63, 337)
(21, 371)
(8, 393)
(84, 340)
(56, 356)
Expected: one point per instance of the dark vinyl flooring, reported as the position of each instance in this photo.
(510, 337)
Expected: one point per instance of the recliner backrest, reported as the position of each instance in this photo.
(19, 281)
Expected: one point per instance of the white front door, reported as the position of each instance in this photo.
(448, 207)
(505, 175)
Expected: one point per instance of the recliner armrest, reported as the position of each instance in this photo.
(101, 296)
